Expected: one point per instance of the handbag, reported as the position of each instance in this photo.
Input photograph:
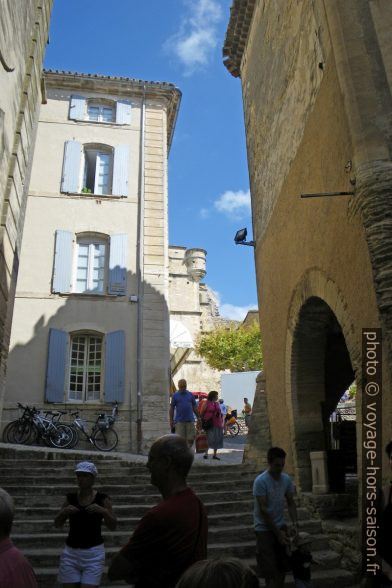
(206, 424)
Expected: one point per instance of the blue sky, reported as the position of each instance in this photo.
(178, 41)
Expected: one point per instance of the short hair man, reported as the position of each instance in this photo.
(15, 570)
(271, 489)
(172, 535)
(185, 404)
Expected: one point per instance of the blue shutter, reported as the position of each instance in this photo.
(77, 108)
(118, 265)
(120, 170)
(62, 262)
(123, 112)
(55, 374)
(115, 366)
(71, 167)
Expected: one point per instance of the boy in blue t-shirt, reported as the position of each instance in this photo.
(272, 489)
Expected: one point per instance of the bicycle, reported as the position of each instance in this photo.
(232, 426)
(32, 426)
(102, 434)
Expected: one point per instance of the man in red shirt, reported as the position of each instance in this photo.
(172, 535)
(15, 570)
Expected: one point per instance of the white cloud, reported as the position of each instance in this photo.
(235, 313)
(204, 212)
(197, 36)
(234, 203)
(230, 311)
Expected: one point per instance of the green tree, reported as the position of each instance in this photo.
(234, 348)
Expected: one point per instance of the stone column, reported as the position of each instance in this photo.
(259, 434)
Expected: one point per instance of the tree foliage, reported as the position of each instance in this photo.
(234, 348)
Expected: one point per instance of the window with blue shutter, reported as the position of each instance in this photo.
(77, 107)
(62, 262)
(115, 366)
(123, 112)
(120, 170)
(55, 373)
(71, 167)
(118, 265)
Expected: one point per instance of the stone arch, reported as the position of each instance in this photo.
(322, 357)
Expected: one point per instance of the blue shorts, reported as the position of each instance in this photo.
(83, 566)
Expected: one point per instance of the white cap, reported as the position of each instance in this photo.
(86, 466)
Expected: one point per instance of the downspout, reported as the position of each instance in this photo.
(140, 280)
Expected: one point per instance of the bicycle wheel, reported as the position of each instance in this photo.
(61, 436)
(75, 437)
(233, 429)
(6, 432)
(21, 432)
(105, 439)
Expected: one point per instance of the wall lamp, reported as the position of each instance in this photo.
(240, 238)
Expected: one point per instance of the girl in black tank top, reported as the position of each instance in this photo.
(83, 558)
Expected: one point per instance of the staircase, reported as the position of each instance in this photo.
(39, 479)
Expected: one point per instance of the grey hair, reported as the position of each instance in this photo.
(6, 513)
(218, 573)
(177, 449)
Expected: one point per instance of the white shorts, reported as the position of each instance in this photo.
(82, 565)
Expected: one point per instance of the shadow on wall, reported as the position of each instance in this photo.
(83, 355)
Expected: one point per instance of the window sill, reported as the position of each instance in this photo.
(96, 196)
(99, 122)
(90, 295)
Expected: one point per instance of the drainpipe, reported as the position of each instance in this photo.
(140, 280)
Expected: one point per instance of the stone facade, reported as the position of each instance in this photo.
(93, 279)
(316, 80)
(193, 305)
(24, 29)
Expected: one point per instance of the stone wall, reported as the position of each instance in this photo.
(318, 113)
(193, 304)
(24, 26)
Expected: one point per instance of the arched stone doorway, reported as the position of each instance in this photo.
(321, 371)
(323, 357)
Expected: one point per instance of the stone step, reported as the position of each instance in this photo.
(49, 556)
(219, 521)
(335, 578)
(39, 479)
(113, 481)
(216, 535)
(140, 474)
(126, 508)
(115, 492)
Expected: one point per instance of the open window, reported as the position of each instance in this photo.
(93, 168)
(97, 169)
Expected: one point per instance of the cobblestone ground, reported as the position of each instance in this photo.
(232, 452)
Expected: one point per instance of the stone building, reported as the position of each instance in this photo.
(24, 33)
(193, 311)
(91, 320)
(316, 81)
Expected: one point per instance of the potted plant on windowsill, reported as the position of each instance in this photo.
(86, 190)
